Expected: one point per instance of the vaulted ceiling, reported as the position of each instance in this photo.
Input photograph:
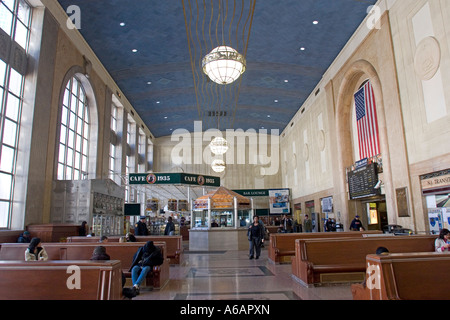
(153, 51)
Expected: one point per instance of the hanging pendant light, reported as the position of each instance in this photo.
(223, 65)
(218, 146)
(218, 165)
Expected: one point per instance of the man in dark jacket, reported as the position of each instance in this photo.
(24, 237)
(255, 235)
(170, 227)
(144, 260)
(141, 227)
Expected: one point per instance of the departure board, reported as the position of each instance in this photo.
(362, 181)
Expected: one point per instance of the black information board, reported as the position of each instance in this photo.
(362, 181)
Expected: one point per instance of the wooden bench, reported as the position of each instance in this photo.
(322, 261)
(38, 280)
(174, 244)
(405, 276)
(282, 245)
(83, 251)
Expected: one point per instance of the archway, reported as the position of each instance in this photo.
(358, 72)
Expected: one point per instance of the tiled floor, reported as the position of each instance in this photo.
(230, 275)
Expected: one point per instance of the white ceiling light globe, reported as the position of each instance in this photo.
(223, 65)
(218, 165)
(218, 146)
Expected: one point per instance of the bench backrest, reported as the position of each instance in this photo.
(287, 240)
(348, 250)
(173, 242)
(37, 280)
(410, 276)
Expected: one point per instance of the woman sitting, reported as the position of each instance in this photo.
(35, 251)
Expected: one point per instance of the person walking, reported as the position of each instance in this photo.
(307, 224)
(255, 236)
(170, 227)
(356, 224)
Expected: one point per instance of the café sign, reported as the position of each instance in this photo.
(173, 178)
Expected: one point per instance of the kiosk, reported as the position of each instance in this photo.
(219, 221)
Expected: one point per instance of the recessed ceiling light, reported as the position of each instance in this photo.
(122, 24)
(286, 81)
(134, 50)
(315, 22)
(275, 100)
(268, 116)
(158, 102)
(165, 117)
(302, 48)
(149, 82)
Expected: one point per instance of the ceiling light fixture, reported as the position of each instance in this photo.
(223, 65)
(218, 165)
(219, 146)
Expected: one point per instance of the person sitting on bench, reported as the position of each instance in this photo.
(35, 251)
(144, 260)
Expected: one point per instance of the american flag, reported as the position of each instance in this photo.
(366, 119)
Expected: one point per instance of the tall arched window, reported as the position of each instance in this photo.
(74, 133)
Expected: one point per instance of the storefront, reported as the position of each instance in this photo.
(436, 193)
(160, 195)
(219, 221)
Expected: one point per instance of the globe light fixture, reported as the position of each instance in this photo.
(218, 165)
(218, 146)
(223, 65)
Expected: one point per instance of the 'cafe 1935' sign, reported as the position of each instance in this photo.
(173, 178)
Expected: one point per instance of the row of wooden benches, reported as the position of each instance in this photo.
(100, 279)
(349, 257)
(174, 244)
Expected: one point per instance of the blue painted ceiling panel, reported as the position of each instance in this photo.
(159, 81)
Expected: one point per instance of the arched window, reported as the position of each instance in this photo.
(74, 133)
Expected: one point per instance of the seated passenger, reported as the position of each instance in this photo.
(442, 243)
(35, 251)
(144, 260)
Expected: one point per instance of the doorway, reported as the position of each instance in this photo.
(376, 214)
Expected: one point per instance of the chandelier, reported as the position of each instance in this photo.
(218, 165)
(223, 65)
(218, 146)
